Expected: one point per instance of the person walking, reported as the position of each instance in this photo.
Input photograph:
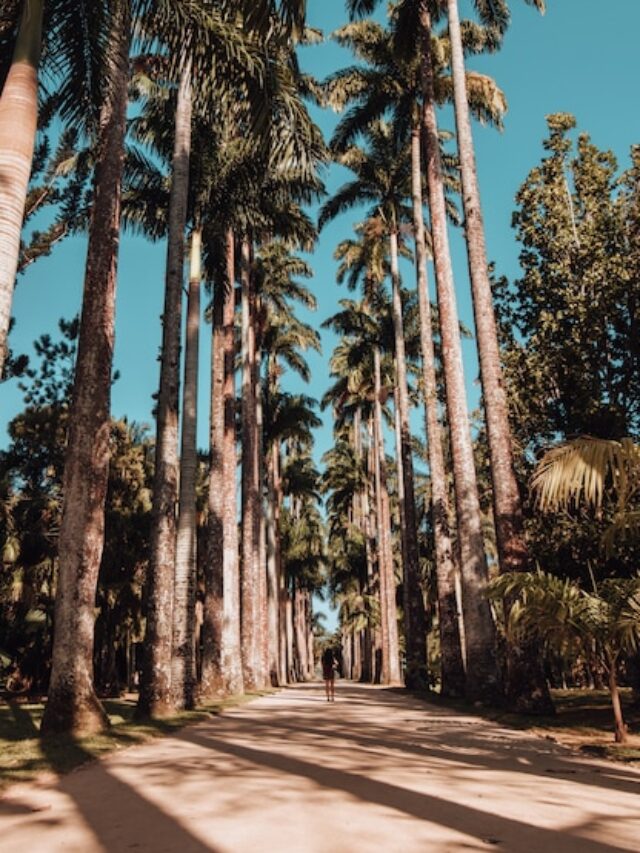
(329, 666)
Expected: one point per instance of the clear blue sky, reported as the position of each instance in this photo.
(574, 59)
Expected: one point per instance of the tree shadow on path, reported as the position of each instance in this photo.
(119, 817)
(512, 835)
(472, 749)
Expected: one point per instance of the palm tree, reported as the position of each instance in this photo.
(480, 644)
(72, 704)
(155, 687)
(18, 121)
(183, 674)
(391, 80)
(525, 681)
(381, 177)
(605, 623)
(356, 363)
(283, 340)
(586, 470)
(222, 668)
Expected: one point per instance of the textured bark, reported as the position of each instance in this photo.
(621, 733)
(358, 519)
(250, 573)
(452, 666)
(72, 705)
(231, 643)
(526, 685)
(273, 591)
(300, 628)
(311, 662)
(414, 617)
(481, 665)
(288, 615)
(260, 530)
(18, 124)
(155, 687)
(183, 672)
(211, 682)
(390, 652)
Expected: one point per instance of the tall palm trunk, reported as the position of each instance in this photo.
(390, 652)
(300, 625)
(183, 674)
(480, 647)
(212, 682)
(415, 627)
(231, 639)
(18, 124)
(526, 685)
(260, 529)
(360, 522)
(288, 612)
(452, 667)
(273, 591)
(155, 688)
(250, 580)
(72, 705)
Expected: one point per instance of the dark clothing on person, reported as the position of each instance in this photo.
(328, 665)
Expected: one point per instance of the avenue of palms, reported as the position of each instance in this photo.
(484, 555)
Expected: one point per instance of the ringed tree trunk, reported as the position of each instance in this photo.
(250, 580)
(183, 671)
(231, 643)
(482, 681)
(260, 529)
(359, 521)
(620, 726)
(72, 705)
(211, 683)
(452, 666)
(155, 688)
(273, 590)
(390, 652)
(18, 125)
(300, 624)
(415, 626)
(526, 685)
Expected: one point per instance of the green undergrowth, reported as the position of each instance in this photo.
(583, 721)
(24, 755)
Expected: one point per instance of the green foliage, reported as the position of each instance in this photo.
(568, 332)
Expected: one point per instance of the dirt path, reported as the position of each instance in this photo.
(289, 773)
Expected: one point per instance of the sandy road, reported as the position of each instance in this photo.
(290, 773)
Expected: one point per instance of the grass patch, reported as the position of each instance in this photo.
(583, 721)
(24, 755)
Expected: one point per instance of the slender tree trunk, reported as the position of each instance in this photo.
(482, 680)
(614, 690)
(311, 663)
(250, 580)
(18, 124)
(260, 541)
(72, 705)
(299, 620)
(231, 635)
(212, 682)
(366, 674)
(526, 685)
(288, 608)
(155, 689)
(452, 667)
(273, 591)
(183, 675)
(390, 652)
(373, 555)
(415, 627)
